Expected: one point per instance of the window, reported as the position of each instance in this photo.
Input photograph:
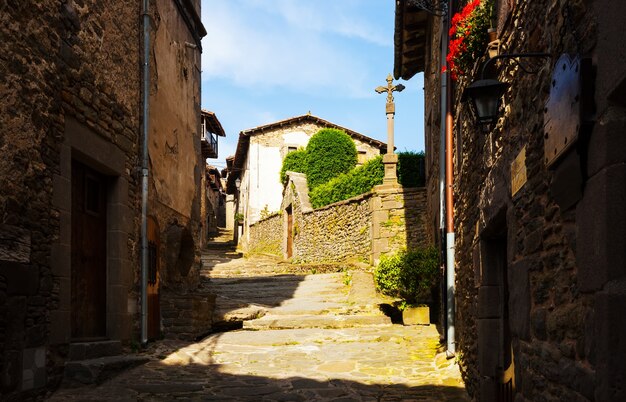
(361, 157)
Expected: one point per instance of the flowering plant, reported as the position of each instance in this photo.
(468, 36)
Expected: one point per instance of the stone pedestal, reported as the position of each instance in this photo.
(390, 161)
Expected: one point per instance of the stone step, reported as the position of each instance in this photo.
(93, 350)
(272, 321)
(96, 371)
(225, 246)
(238, 314)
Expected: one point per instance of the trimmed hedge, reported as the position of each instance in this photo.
(294, 162)
(411, 169)
(357, 181)
(329, 153)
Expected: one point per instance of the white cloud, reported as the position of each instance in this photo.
(249, 46)
(328, 16)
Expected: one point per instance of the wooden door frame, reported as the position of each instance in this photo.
(86, 146)
(289, 232)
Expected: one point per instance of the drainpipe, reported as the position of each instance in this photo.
(446, 206)
(144, 173)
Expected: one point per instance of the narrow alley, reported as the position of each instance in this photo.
(309, 333)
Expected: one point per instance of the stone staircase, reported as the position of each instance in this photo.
(326, 301)
(264, 292)
(95, 362)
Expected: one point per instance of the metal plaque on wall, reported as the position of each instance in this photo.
(562, 115)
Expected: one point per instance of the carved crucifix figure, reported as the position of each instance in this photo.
(389, 89)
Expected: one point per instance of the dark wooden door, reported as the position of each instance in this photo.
(154, 306)
(289, 232)
(89, 221)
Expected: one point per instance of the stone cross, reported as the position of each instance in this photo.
(390, 160)
(389, 89)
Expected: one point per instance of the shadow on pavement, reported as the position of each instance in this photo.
(158, 381)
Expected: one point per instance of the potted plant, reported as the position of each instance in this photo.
(410, 276)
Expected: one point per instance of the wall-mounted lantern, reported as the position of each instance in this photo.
(238, 183)
(484, 95)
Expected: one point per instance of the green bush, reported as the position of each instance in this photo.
(411, 169)
(357, 181)
(409, 275)
(329, 153)
(294, 162)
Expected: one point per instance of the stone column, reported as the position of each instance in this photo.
(390, 159)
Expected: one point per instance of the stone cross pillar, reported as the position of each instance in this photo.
(390, 159)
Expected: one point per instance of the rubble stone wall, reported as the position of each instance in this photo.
(561, 286)
(337, 232)
(67, 64)
(186, 315)
(361, 228)
(266, 236)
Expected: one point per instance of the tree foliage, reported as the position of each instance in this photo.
(411, 169)
(294, 162)
(357, 181)
(329, 153)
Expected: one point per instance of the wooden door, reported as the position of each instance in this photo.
(154, 306)
(88, 266)
(289, 232)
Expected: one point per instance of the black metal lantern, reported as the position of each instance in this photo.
(485, 99)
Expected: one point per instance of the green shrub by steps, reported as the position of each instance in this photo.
(329, 153)
(411, 169)
(355, 182)
(294, 162)
(409, 275)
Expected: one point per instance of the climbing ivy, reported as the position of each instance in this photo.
(329, 153)
(294, 162)
(357, 181)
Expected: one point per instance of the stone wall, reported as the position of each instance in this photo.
(398, 220)
(529, 261)
(266, 236)
(71, 94)
(337, 232)
(174, 144)
(361, 228)
(71, 60)
(186, 315)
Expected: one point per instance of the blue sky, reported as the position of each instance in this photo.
(268, 60)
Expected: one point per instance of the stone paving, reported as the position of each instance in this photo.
(370, 362)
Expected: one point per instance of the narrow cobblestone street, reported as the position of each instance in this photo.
(306, 336)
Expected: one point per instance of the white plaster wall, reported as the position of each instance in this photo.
(296, 138)
(266, 189)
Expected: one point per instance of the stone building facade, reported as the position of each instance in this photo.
(70, 193)
(259, 156)
(540, 253)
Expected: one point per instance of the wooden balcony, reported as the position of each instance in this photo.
(211, 129)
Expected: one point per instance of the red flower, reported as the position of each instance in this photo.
(465, 32)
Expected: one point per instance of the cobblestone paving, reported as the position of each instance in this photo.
(369, 363)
